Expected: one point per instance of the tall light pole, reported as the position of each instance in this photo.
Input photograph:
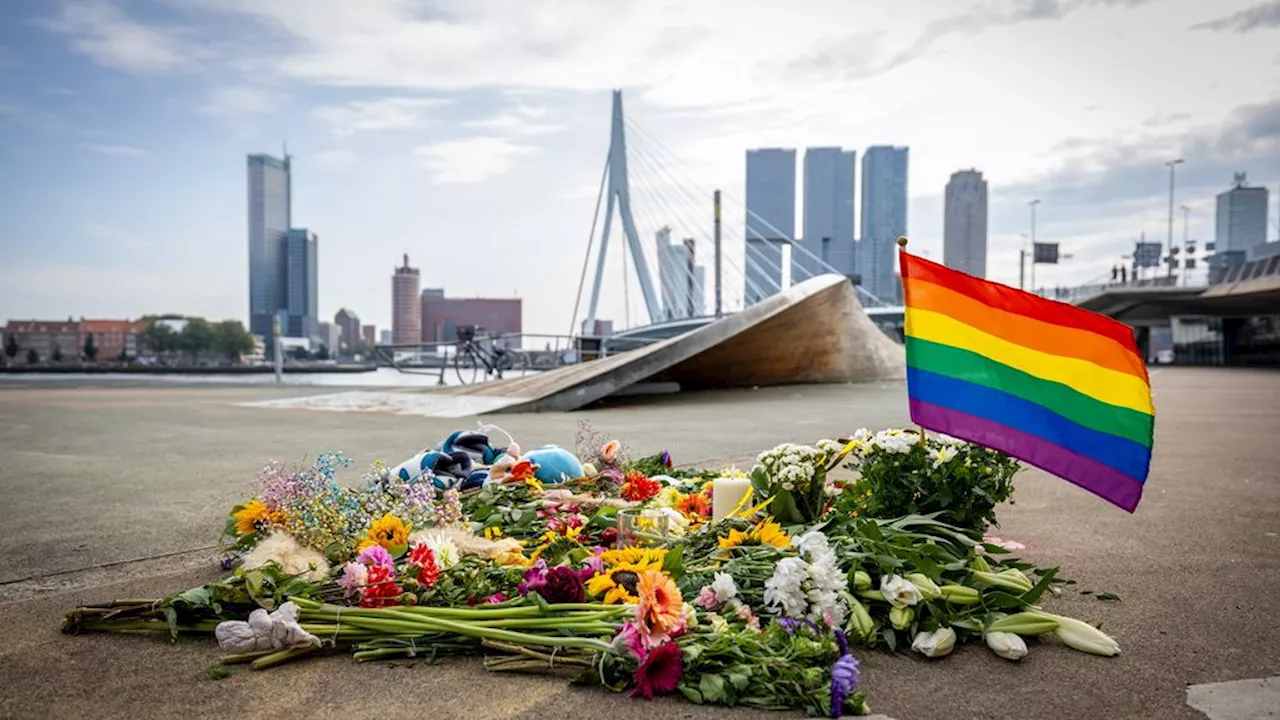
(1186, 244)
(1033, 205)
(1173, 164)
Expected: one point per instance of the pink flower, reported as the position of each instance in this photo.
(354, 577)
(707, 598)
(377, 556)
(496, 598)
(629, 640)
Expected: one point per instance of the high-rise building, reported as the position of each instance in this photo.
(349, 325)
(302, 296)
(384, 337)
(827, 238)
(269, 218)
(331, 338)
(884, 217)
(770, 221)
(964, 230)
(406, 306)
(1242, 217)
(369, 335)
(682, 280)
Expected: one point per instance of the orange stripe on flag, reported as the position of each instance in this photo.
(1028, 332)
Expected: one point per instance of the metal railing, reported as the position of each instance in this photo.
(439, 358)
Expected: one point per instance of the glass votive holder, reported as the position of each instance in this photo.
(642, 528)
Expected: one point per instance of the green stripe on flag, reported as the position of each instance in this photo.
(1076, 406)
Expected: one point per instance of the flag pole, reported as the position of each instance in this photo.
(902, 243)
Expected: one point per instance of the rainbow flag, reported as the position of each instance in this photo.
(1055, 386)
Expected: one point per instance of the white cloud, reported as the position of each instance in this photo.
(101, 31)
(239, 101)
(394, 113)
(522, 119)
(470, 160)
(333, 159)
(121, 150)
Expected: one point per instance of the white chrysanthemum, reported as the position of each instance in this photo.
(785, 589)
(443, 548)
(724, 587)
(943, 455)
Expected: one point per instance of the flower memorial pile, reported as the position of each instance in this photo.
(873, 541)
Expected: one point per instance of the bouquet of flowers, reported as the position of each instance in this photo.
(764, 609)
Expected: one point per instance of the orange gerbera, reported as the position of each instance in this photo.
(694, 504)
(660, 610)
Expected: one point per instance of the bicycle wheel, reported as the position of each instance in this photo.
(468, 366)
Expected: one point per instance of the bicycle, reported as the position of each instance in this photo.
(472, 357)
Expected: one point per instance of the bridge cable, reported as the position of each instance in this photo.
(586, 261)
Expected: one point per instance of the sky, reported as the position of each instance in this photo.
(471, 134)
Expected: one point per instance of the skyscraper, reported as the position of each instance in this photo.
(269, 217)
(770, 221)
(1242, 217)
(349, 322)
(681, 279)
(964, 231)
(884, 218)
(828, 213)
(302, 298)
(406, 306)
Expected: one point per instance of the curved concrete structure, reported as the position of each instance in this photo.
(815, 332)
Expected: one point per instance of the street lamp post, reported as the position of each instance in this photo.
(1172, 164)
(1033, 205)
(1186, 243)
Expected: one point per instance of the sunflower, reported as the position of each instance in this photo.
(765, 532)
(250, 516)
(618, 584)
(643, 558)
(388, 531)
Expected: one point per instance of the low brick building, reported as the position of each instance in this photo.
(111, 337)
(441, 317)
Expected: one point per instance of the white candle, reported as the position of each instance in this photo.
(726, 493)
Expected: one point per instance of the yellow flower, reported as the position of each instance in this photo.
(493, 532)
(769, 532)
(642, 558)
(248, 517)
(765, 532)
(534, 484)
(618, 584)
(388, 531)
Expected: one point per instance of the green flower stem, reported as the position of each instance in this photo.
(277, 658)
(392, 620)
(239, 658)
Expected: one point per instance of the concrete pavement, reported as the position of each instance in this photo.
(98, 481)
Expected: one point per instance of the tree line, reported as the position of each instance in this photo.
(198, 338)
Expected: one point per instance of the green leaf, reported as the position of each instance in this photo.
(690, 693)
(712, 688)
(1111, 597)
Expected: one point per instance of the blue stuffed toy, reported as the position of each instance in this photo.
(555, 464)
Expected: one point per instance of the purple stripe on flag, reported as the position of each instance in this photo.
(1106, 482)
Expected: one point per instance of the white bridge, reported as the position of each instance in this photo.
(657, 198)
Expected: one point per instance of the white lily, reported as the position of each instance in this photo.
(1007, 645)
(935, 644)
(899, 591)
(1084, 637)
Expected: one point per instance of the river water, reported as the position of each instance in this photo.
(382, 377)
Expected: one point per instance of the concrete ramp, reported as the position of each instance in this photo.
(815, 332)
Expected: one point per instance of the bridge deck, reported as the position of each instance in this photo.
(815, 332)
